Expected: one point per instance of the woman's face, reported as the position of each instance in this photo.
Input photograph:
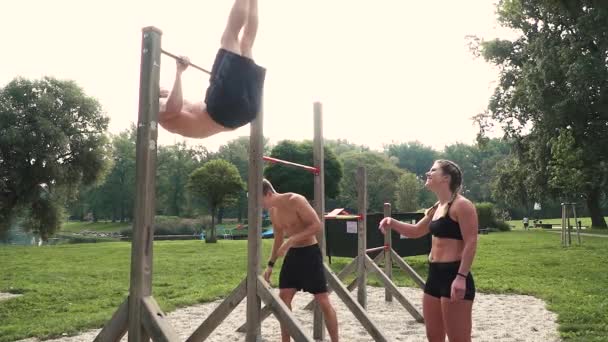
(435, 178)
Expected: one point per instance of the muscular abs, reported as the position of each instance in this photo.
(287, 222)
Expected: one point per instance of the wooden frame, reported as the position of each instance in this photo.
(140, 314)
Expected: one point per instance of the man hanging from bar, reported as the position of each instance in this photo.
(233, 98)
(293, 217)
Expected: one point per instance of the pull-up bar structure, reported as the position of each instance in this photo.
(139, 314)
(333, 280)
(363, 264)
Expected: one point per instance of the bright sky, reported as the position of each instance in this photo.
(385, 70)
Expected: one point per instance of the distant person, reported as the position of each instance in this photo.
(525, 220)
(449, 290)
(234, 96)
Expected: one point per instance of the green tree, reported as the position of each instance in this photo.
(565, 166)
(217, 183)
(382, 177)
(115, 198)
(236, 151)
(510, 184)
(478, 164)
(289, 179)
(407, 192)
(554, 77)
(175, 163)
(341, 146)
(52, 140)
(467, 157)
(413, 156)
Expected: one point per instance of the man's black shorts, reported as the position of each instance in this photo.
(303, 270)
(234, 95)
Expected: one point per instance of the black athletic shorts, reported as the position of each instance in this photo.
(441, 276)
(303, 270)
(234, 95)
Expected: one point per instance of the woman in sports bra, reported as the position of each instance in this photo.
(449, 290)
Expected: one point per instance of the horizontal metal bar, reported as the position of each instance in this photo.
(180, 59)
(312, 169)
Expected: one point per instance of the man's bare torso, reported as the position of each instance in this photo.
(286, 220)
(192, 122)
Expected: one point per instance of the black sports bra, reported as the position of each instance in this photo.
(446, 227)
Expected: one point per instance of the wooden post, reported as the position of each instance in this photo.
(388, 261)
(220, 313)
(357, 310)
(578, 228)
(117, 326)
(256, 150)
(361, 179)
(145, 175)
(390, 286)
(408, 269)
(281, 311)
(563, 225)
(319, 198)
(568, 227)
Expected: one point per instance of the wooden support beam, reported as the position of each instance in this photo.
(254, 240)
(281, 311)
(390, 286)
(354, 283)
(145, 175)
(408, 269)
(220, 313)
(116, 327)
(156, 323)
(319, 201)
(354, 307)
(388, 263)
(345, 272)
(361, 180)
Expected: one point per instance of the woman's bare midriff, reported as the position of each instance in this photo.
(446, 250)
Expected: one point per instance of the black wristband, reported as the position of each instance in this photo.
(270, 263)
(462, 275)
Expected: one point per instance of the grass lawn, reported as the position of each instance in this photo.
(585, 222)
(67, 288)
(101, 226)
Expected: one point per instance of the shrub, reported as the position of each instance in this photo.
(172, 225)
(487, 216)
(502, 226)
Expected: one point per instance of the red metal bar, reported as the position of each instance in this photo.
(312, 169)
(376, 249)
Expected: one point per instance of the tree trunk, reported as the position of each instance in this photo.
(593, 203)
(220, 215)
(211, 238)
(241, 207)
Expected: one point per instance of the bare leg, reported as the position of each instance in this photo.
(458, 320)
(331, 319)
(287, 296)
(431, 310)
(250, 30)
(236, 21)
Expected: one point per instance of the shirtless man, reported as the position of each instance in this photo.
(293, 217)
(233, 98)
